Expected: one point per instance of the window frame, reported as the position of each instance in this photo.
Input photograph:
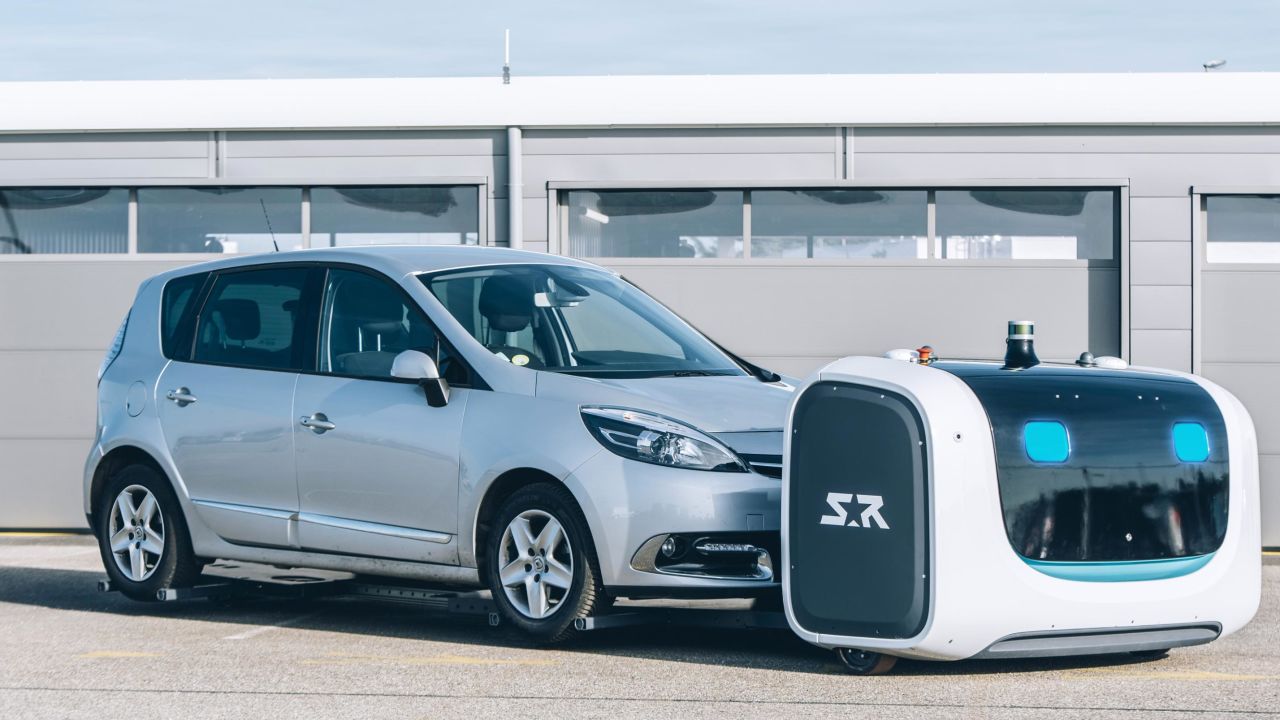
(183, 342)
(558, 219)
(485, 206)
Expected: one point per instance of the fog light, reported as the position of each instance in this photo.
(669, 547)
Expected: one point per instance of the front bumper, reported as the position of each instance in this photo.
(628, 504)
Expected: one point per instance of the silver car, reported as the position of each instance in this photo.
(477, 417)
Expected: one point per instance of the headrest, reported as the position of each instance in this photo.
(506, 301)
(241, 319)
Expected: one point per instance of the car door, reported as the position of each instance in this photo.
(377, 466)
(226, 408)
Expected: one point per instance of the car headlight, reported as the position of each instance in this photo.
(655, 439)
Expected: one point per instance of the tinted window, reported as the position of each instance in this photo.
(855, 223)
(1242, 228)
(367, 321)
(64, 220)
(219, 219)
(174, 306)
(655, 223)
(252, 319)
(1114, 486)
(1017, 224)
(395, 216)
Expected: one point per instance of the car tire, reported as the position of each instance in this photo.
(142, 534)
(540, 563)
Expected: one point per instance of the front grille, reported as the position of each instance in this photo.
(767, 465)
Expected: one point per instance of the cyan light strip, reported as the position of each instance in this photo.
(1046, 441)
(1134, 571)
(1190, 442)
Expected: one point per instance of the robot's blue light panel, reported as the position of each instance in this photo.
(1046, 441)
(1190, 442)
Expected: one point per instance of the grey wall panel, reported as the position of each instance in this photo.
(1161, 348)
(104, 146)
(1159, 219)
(1269, 469)
(91, 168)
(535, 220)
(535, 246)
(1258, 387)
(68, 305)
(1117, 139)
(357, 167)
(1237, 311)
(755, 141)
(1160, 263)
(371, 143)
(40, 481)
(729, 168)
(1149, 175)
(832, 311)
(1160, 307)
(49, 394)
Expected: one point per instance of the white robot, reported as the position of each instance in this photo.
(948, 510)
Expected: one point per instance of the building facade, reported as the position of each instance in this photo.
(794, 220)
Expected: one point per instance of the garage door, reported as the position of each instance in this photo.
(1237, 340)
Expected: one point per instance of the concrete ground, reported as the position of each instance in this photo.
(67, 650)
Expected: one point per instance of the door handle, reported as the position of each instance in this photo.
(181, 396)
(318, 423)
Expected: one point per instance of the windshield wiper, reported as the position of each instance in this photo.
(698, 373)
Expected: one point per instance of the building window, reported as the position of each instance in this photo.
(63, 220)
(1031, 224)
(655, 223)
(343, 216)
(1019, 224)
(1242, 228)
(846, 223)
(226, 220)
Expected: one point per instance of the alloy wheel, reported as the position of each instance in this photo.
(136, 533)
(536, 561)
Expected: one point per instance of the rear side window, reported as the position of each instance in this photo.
(177, 316)
(253, 319)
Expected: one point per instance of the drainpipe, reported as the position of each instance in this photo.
(515, 189)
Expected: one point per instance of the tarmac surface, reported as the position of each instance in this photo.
(69, 651)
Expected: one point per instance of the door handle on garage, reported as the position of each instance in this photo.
(318, 423)
(181, 396)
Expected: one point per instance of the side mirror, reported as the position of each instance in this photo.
(414, 365)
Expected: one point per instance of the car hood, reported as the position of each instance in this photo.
(716, 404)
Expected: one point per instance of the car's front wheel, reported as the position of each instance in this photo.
(142, 534)
(541, 563)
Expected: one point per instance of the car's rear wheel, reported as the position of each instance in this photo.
(142, 534)
(541, 563)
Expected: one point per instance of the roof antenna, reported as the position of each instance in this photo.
(267, 215)
(506, 57)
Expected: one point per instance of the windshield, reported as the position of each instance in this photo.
(574, 320)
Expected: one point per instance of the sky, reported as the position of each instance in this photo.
(177, 39)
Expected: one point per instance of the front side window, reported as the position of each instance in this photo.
(226, 220)
(574, 320)
(366, 322)
(253, 319)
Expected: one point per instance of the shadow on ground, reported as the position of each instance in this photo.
(75, 590)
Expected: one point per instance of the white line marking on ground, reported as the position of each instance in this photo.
(255, 632)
